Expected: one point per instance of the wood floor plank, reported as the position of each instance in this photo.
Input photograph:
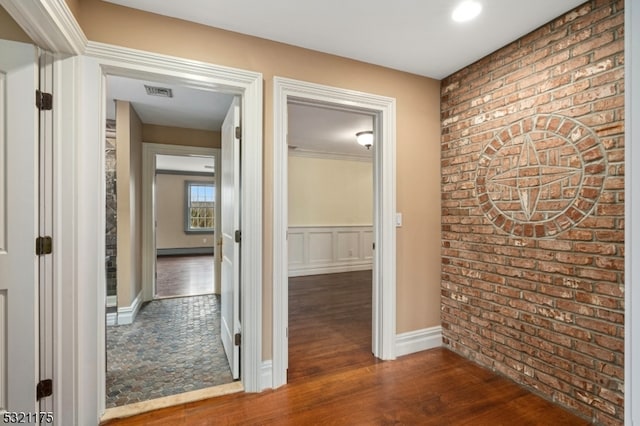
(187, 275)
(334, 379)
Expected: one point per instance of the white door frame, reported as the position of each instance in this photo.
(384, 165)
(632, 212)
(102, 60)
(149, 152)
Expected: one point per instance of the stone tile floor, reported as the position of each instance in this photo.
(172, 347)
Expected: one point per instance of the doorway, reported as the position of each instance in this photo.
(384, 217)
(330, 234)
(169, 343)
(184, 193)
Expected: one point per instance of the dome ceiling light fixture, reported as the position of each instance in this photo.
(466, 11)
(365, 138)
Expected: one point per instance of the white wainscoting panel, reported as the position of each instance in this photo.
(296, 249)
(349, 245)
(320, 246)
(317, 250)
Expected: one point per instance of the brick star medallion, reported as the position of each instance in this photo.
(540, 176)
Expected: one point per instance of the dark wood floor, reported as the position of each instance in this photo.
(329, 323)
(184, 275)
(333, 379)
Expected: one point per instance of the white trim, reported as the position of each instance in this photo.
(50, 24)
(112, 319)
(314, 250)
(149, 152)
(266, 375)
(330, 269)
(112, 301)
(632, 211)
(65, 213)
(185, 251)
(89, 117)
(301, 152)
(384, 275)
(418, 340)
(127, 314)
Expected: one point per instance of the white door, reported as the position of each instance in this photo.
(230, 273)
(18, 228)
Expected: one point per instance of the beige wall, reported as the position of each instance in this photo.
(330, 192)
(129, 202)
(170, 199)
(74, 6)
(180, 136)
(418, 134)
(9, 30)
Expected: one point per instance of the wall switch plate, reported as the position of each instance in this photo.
(398, 220)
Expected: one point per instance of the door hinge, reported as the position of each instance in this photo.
(43, 246)
(238, 236)
(374, 246)
(44, 101)
(238, 132)
(44, 389)
(236, 339)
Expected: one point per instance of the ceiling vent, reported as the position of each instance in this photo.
(163, 92)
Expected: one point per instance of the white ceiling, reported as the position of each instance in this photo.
(417, 36)
(320, 129)
(311, 128)
(188, 108)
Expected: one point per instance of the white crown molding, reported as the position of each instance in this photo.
(212, 76)
(300, 152)
(50, 24)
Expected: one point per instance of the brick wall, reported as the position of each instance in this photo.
(532, 158)
(111, 229)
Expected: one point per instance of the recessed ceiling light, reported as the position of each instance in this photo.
(466, 11)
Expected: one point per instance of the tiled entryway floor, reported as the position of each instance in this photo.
(172, 347)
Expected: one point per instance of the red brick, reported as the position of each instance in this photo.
(597, 274)
(541, 302)
(617, 47)
(575, 259)
(598, 300)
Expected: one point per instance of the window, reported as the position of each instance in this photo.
(200, 207)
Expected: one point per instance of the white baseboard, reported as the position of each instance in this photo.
(418, 340)
(266, 375)
(112, 301)
(184, 251)
(112, 319)
(329, 269)
(127, 314)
